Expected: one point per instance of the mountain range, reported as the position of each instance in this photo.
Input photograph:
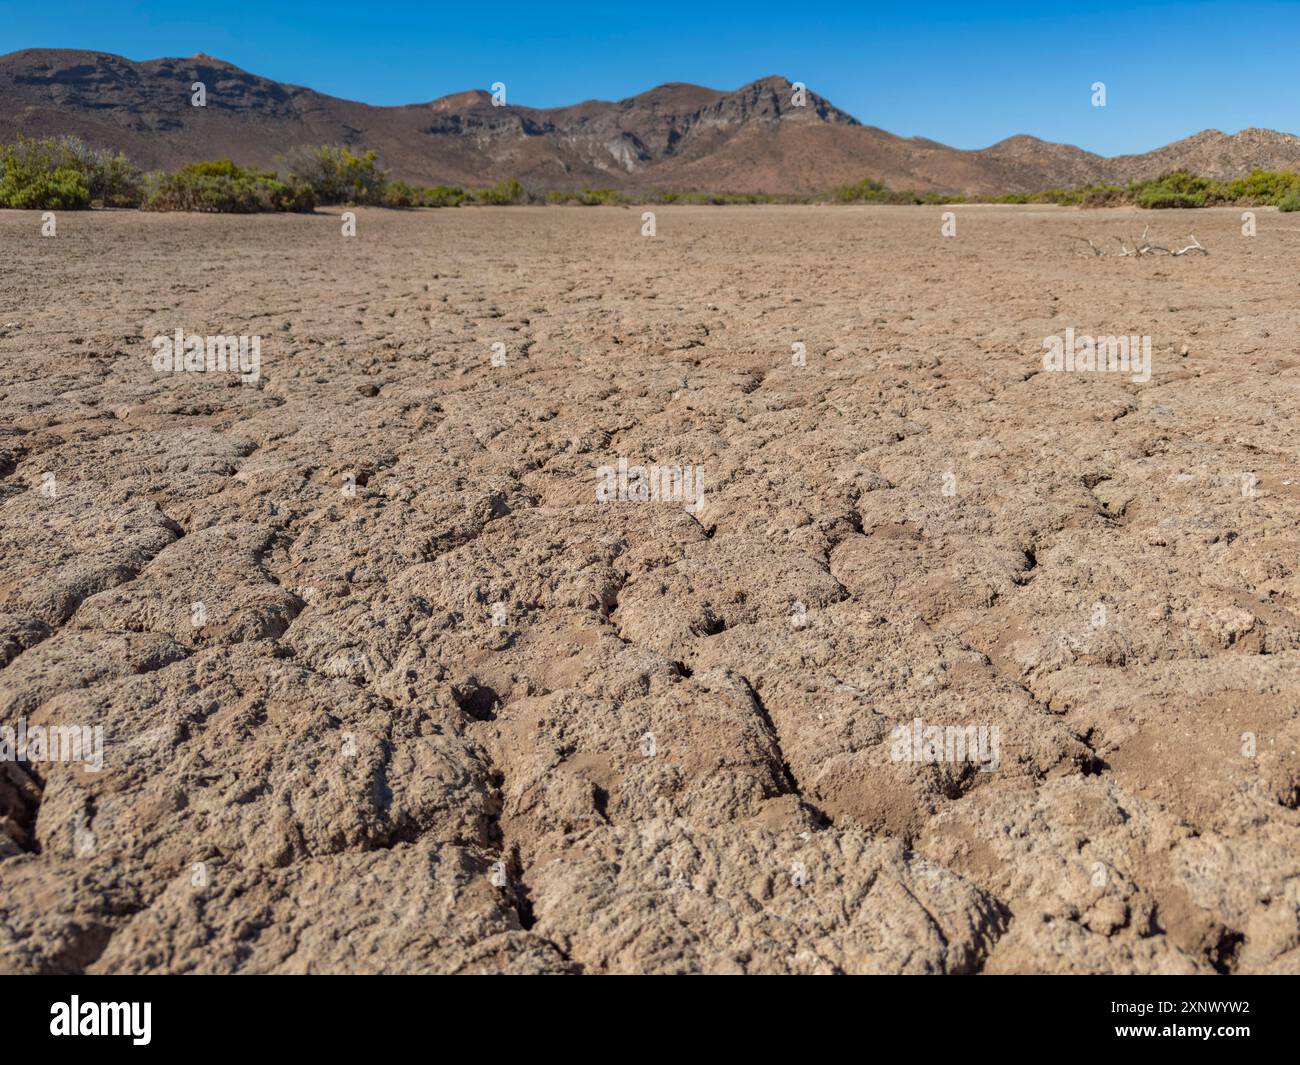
(676, 136)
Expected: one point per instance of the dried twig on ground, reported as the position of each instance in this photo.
(1143, 246)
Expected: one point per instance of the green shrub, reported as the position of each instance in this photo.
(400, 194)
(337, 175)
(1290, 202)
(56, 173)
(113, 180)
(64, 189)
(868, 190)
(588, 197)
(222, 186)
(1177, 189)
(1262, 187)
(443, 196)
(716, 198)
(1100, 195)
(1085, 196)
(500, 195)
(865, 191)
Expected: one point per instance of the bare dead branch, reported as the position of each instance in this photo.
(1142, 246)
(1195, 245)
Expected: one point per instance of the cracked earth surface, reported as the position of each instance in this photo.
(448, 713)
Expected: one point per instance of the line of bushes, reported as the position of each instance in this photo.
(1179, 188)
(613, 197)
(870, 191)
(223, 186)
(1182, 189)
(62, 173)
(1082, 196)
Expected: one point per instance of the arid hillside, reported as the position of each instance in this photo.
(678, 137)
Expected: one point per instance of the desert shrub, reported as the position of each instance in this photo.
(1182, 189)
(868, 190)
(1084, 196)
(865, 191)
(63, 189)
(1060, 197)
(64, 173)
(588, 197)
(443, 196)
(222, 186)
(716, 198)
(338, 175)
(1290, 202)
(500, 195)
(1100, 195)
(400, 194)
(1261, 187)
(113, 180)
(1177, 189)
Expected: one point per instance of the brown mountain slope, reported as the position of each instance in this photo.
(675, 136)
(1217, 154)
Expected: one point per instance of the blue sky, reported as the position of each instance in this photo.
(967, 74)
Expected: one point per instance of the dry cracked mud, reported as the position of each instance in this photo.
(384, 686)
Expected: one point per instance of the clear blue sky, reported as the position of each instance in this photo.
(967, 74)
